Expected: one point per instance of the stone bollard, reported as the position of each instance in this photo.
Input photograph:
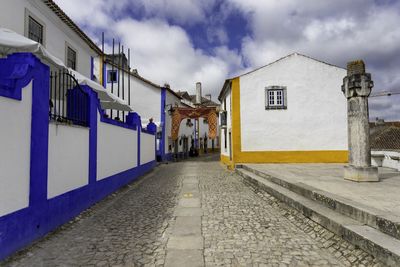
(357, 86)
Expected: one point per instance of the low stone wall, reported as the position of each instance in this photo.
(389, 159)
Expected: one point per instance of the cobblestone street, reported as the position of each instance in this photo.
(192, 213)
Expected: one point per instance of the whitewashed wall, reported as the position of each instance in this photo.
(315, 118)
(227, 99)
(144, 98)
(15, 144)
(116, 149)
(204, 131)
(187, 131)
(147, 148)
(173, 100)
(389, 159)
(68, 166)
(12, 16)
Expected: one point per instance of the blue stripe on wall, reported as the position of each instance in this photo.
(20, 228)
(162, 141)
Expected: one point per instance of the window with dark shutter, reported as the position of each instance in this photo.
(35, 30)
(112, 76)
(71, 58)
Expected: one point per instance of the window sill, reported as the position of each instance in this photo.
(274, 108)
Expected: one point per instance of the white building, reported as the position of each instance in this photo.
(291, 110)
(43, 21)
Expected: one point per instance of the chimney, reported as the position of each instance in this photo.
(208, 96)
(198, 93)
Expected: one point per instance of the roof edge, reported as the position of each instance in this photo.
(72, 25)
(287, 56)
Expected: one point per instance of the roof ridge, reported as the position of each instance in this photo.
(287, 56)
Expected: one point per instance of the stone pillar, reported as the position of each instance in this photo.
(357, 86)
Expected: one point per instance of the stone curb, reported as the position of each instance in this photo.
(380, 220)
(382, 246)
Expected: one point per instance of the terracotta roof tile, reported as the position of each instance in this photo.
(385, 137)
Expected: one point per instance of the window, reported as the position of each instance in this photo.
(71, 58)
(35, 30)
(223, 118)
(112, 76)
(275, 97)
(225, 139)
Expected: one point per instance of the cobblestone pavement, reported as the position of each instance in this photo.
(126, 229)
(240, 226)
(246, 227)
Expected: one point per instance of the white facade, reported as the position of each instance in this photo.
(203, 131)
(57, 35)
(116, 149)
(15, 140)
(147, 148)
(225, 141)
(68, 167)
(145, 98)
(316, 114)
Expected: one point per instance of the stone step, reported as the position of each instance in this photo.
(380, 220)
(382, 246)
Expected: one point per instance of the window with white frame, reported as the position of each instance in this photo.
(275, 97)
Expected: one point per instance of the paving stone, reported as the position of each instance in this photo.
(185, 242)
(190, 202)
(192, 258)
(190, 188)
(180, 211)
(187, 226)
(190, 180)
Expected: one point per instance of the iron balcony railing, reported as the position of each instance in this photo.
(68, 102)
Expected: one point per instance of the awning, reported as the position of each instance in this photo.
(12, 42)
(107, 100)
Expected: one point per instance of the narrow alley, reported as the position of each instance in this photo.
(192, 213)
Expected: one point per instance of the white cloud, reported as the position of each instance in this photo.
(165, 53)
(332, 31)
(187, 11)
(161, 52)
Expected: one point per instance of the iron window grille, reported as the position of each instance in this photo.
(275, 97)
(35, 30)
(71, 58)
(68, 103)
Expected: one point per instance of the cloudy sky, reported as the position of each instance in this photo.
(181, 42)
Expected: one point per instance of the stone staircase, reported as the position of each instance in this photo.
(365, 227)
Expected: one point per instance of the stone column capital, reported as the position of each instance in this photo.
(357, 85)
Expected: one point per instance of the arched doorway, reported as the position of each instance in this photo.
(181, 113)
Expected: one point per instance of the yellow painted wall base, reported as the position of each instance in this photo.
(324, 156)
(226, 161)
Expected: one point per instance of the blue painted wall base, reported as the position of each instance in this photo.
(20, 228)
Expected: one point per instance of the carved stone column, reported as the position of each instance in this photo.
(357, 86)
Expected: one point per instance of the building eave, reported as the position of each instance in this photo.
(72, 25)
(224, 88)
